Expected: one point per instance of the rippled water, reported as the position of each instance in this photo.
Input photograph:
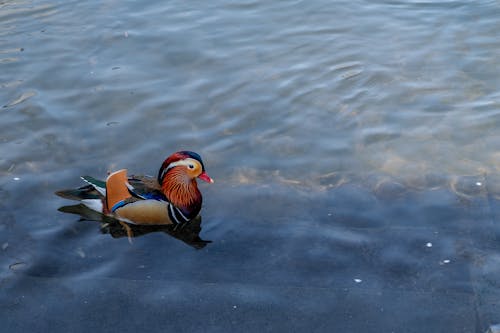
(354, 146)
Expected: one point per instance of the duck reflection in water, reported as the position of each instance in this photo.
(170, 202)
(188, 233)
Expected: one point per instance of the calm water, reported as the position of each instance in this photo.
(354, 144)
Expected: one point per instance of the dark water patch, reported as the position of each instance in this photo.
(276, 250)
(235, 303)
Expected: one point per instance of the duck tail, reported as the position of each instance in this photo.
(82, 193)
(99, 185)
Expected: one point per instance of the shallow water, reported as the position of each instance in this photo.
(354, 147)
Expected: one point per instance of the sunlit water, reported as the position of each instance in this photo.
(355, 148)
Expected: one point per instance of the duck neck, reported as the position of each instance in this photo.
(182, 192)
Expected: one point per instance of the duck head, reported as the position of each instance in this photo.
(187, 163)
(177, 178)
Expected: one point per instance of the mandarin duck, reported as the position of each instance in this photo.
(171, 198)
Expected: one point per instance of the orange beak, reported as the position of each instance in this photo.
(204, 176)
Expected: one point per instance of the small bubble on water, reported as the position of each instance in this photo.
(80, 252)
(358, 280)
(444, 262)
(16, 178)
(479, 184)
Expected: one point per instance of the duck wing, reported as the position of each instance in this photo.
(145, 187)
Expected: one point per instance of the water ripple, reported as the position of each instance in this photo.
(24, 96)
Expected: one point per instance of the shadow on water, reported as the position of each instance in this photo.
(188, 233)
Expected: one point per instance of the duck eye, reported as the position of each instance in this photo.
(191, 166)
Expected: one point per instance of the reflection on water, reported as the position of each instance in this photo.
(188, 233)
(348, 136)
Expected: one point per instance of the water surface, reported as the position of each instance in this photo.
(354, 146)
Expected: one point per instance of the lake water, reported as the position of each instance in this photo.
(354, 146)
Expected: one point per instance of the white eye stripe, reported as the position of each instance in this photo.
(187, 162)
